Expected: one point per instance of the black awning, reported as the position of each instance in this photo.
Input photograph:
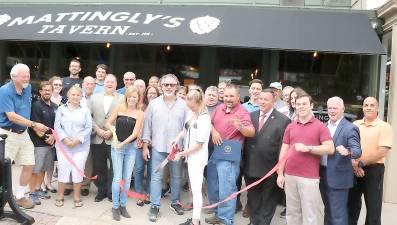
(268, 28)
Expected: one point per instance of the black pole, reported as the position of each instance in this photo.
(6, 194)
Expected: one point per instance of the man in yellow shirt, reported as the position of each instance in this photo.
(376, 142)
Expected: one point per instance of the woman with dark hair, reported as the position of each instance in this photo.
(150, 93)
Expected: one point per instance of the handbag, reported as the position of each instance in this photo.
(229, 150)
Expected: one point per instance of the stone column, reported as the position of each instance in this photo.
(390, 182)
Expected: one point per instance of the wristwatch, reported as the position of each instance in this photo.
(361, 164)
(33, 124)
(311, 148)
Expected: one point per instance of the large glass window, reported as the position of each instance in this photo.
(323, 75)
(327, 75)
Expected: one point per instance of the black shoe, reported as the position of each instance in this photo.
(116, 214)
(85, 192)
(67, 192)
(99, 197)
(154, 213)
(124, 213)
(213, 220)
(283, 213)
(188, 222)
(177, 208)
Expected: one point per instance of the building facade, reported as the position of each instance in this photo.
(326, 47)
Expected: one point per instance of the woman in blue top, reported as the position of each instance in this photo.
(125, 122)
(73, 125)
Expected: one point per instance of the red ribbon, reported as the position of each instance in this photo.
(68, 158)
(132, 194)
(234, 195)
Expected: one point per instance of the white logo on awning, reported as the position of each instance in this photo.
(4, 18)
(204, 25)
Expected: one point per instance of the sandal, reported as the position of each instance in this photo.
(59, 202)
(78, 203)
(50, 189)
(140, 203)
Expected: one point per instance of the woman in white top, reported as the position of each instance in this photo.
(196, 135)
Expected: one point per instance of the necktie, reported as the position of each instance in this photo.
(261, 121)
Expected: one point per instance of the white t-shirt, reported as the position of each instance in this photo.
(198, 131)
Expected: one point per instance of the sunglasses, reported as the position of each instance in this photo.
(169, 85)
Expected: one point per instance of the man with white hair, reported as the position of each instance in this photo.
(336, 171)
(15, 109)
(128, 79)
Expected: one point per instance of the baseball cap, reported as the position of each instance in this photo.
(276, 85)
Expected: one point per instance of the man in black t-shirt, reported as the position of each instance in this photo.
(43, 111)
(73, 79)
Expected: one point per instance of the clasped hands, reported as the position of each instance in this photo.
(71, 142)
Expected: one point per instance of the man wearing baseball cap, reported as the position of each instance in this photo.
(279, 104)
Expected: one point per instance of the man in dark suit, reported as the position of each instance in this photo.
(336, 172)
(262, 155)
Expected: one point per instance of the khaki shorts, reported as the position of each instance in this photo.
(19, 147)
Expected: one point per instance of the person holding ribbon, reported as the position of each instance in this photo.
(73, 125)
(125, 122)
(196, 134)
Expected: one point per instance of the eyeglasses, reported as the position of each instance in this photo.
(129, 79)
(168, 85)
(60, 85)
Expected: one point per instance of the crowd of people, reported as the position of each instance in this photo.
(124, 136)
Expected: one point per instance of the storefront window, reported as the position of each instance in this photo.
(327, 75)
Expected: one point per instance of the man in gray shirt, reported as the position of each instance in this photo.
(164, 120)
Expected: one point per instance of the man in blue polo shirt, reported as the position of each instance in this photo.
(15, 107)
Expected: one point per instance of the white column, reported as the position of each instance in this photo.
(390, 181)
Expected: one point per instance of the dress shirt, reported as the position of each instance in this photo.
(163, 123)
(267, 115)
(74, 123)
(107, 101)
(332, 128)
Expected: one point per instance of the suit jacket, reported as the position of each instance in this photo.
(98, 114)
(339, 168)
(262, 150)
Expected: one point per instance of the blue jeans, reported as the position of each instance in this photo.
(212, 183)
(123, 164)
(227, 172)
(157, 178)
(139, 171)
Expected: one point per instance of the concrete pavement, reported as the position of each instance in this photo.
(93, 213)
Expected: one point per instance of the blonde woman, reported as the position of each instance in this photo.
(73, 124)
(126, 122)
(196, 135)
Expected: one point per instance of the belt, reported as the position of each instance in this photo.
(17, 131)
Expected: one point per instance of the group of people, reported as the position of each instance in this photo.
(92, 128)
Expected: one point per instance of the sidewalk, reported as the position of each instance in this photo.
(93, 213)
